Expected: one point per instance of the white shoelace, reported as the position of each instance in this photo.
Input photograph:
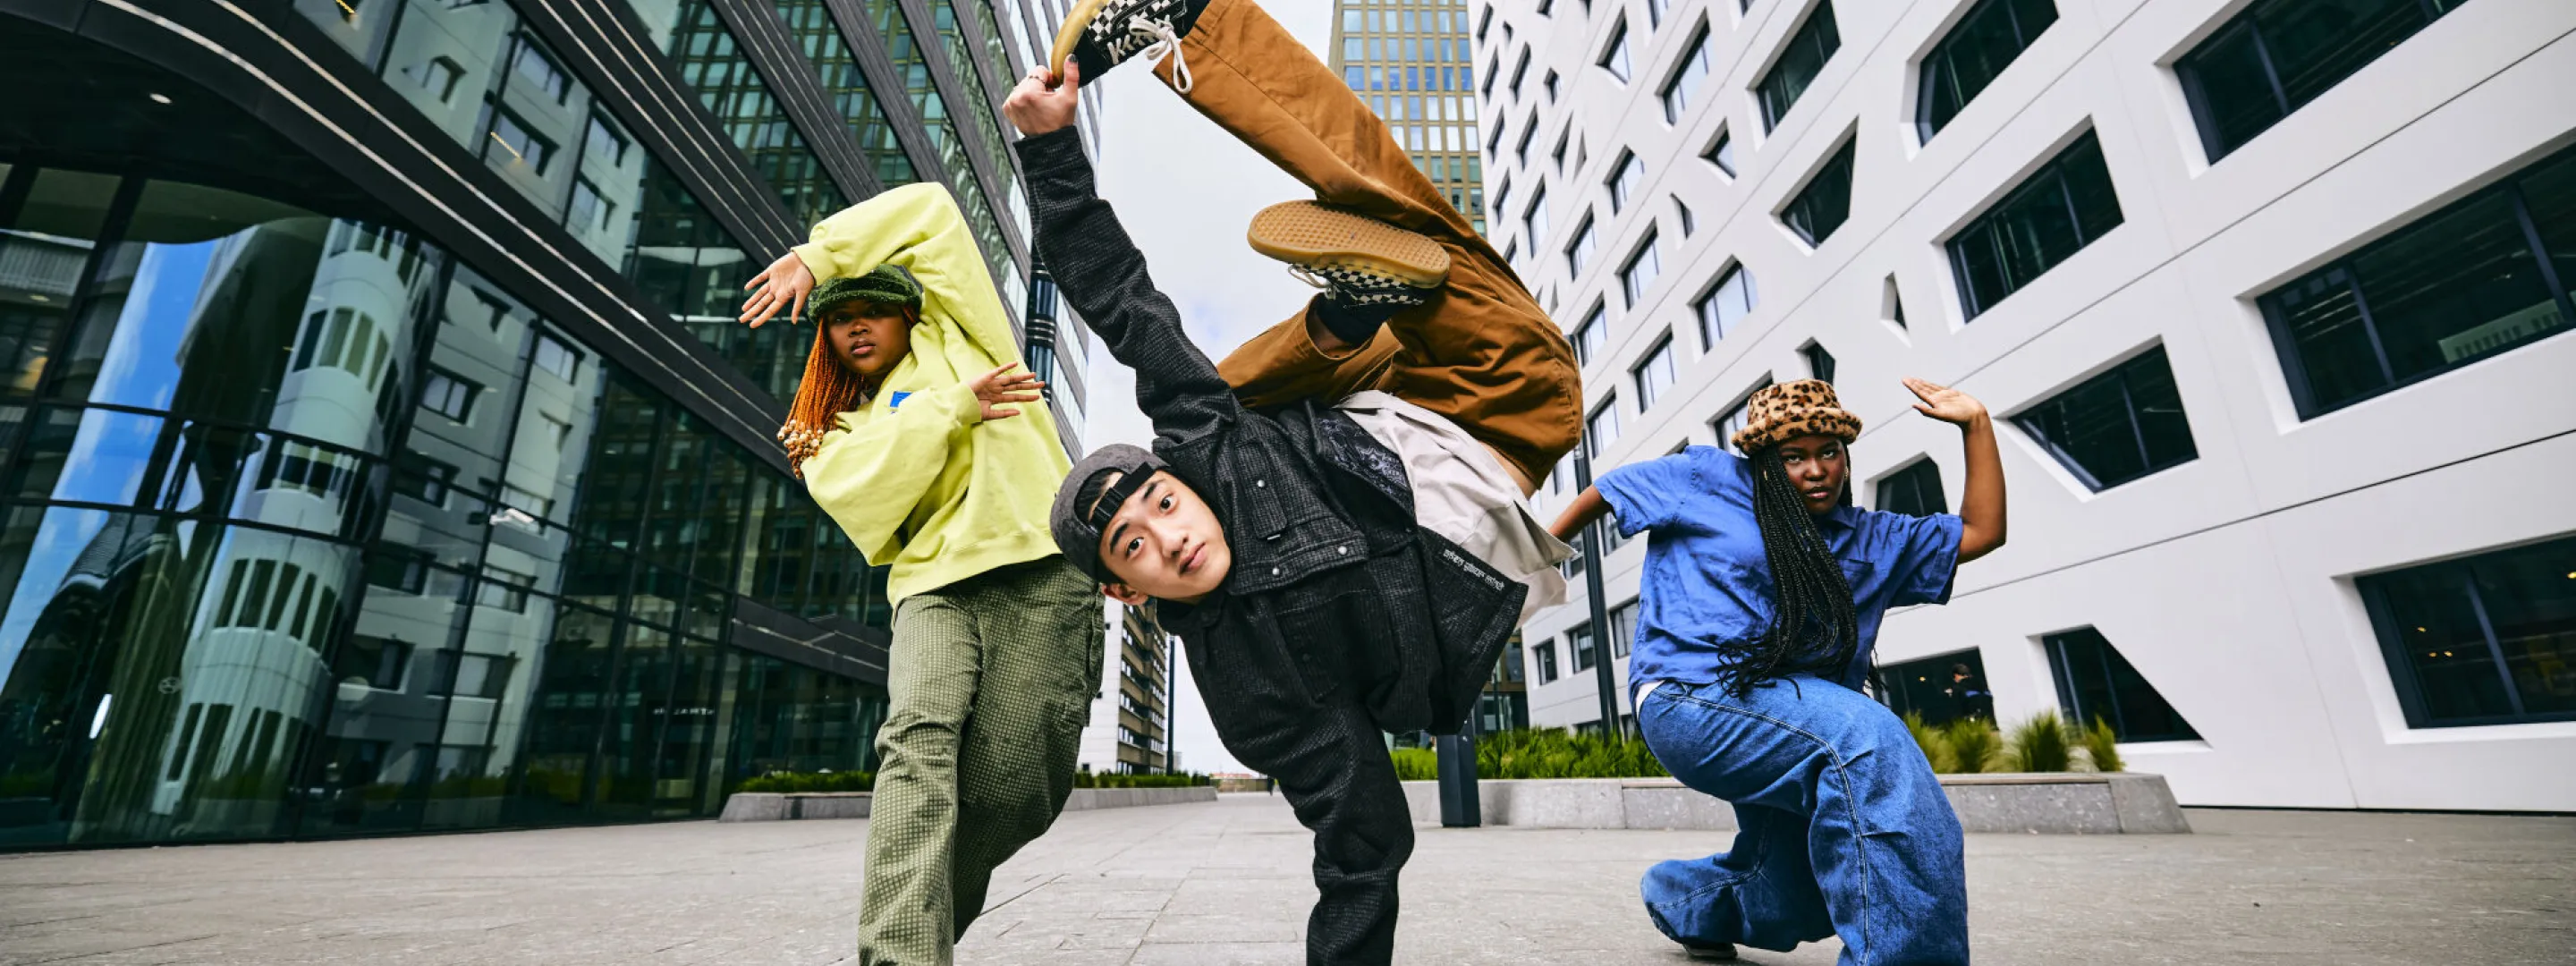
(1154, 40)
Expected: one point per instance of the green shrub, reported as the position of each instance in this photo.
(1936, 748)
(1417, 764)
(1559, 753)
(1974, 745)
(807, 782)
(2039, 744)
(2101, 746)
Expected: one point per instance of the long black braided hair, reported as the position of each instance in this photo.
(1814, 626)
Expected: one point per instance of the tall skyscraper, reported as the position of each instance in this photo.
(2226, 274)
(382, 452)
(1409, 60)
(1131, 719)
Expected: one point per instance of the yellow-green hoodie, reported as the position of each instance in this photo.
(915, 476)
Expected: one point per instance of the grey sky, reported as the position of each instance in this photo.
(1185, 190)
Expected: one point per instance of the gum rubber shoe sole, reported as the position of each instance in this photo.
(1070, 34)
(1308, 234)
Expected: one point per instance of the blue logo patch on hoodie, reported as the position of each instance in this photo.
(897, 399)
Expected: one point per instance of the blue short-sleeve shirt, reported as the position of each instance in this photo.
(1707, 579)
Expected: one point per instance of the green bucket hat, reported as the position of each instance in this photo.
(884, 283)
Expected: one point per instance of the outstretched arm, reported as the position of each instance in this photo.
(1102, 274)
(1981, 512)
(1587, 507)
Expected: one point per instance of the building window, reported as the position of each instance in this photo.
(377, 662)
(2278, 55)
(1558, 154)
(1977, 50)
(1550, 84)
(447, 394)
(1484, 22)
(1626, 175)
(537, 67)
(588, 212)
(1654, 377)
(522, 145)
(439, 77)
(1721, 153)
(552, 355)
(403, 571)
(1546, 654)
(1623, 629)
(2095, 682)
(1520, 71)
(1683, 212)
(1735, 418)
(1820, 363)
(1687, 76)
(2063, 207)
(1579, 251)
(2447, 290)
(1914, 491)
(2117, 426)
(1809, 48)
(1615, 57)
(604, 143)
(1534, 218)
(506, 590)
(1825, 202)
(1602, 427)
(1638, 275)
(1655, 10)
(1725, 305)
(423, 479)
(1520, 149)
(2489, 639)
(1578, 643)
(1592, 336)
(1939, 689)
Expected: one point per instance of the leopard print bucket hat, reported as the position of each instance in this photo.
(1807, 407)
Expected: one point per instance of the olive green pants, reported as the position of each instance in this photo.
(990, 684)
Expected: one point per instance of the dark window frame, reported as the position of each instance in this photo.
(2061, 673)
(1941, 62)
(2294, 366)
(1818, 30)
(1986, 227)
(1911, 478)
(2030, 421)
(2245, 25)
(2402, 671)
(1802, 215)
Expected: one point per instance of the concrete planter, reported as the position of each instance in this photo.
(2054, 803)
(772, 806)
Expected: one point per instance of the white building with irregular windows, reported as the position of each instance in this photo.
(2269, 299)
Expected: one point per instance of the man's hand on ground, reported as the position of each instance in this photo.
(1043, 103)
(1001, 387)
(783, 285)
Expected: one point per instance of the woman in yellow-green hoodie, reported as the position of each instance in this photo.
(914, 431)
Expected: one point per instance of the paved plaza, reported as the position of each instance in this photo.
(1213, 884)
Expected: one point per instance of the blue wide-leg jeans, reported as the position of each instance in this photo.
(1841, 829)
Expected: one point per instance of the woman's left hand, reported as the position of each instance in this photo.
(1944, 403)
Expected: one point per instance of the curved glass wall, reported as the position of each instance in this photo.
(311, 530)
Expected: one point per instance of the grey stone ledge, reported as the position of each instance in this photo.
(2071, 803)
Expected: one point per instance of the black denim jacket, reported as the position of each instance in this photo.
(1334, 584)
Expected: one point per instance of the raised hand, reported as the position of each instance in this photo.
(1002, 387)
(1042, 102)
(1944, 403)
(783, 285)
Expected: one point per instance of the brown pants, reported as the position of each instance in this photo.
(1481, 352)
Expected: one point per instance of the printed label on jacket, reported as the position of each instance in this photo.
(896, 400)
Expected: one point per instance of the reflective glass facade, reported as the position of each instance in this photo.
(1408, 60)
(315, 521)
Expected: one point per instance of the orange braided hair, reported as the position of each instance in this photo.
(828, 390)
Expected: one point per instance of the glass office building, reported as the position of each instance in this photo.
(1407, 59)
(379, 449)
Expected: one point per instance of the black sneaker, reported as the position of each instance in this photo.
(1357, 260)
(1722, 952)
(1101, 34)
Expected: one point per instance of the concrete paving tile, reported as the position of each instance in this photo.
(1256, 925)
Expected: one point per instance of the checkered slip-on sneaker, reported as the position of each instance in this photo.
(1358, 259)
(1101, 34)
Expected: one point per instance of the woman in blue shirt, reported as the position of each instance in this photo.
(1761, 597)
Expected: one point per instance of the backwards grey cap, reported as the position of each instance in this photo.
(1077, 528)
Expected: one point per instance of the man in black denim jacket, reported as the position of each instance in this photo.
(1316, 609)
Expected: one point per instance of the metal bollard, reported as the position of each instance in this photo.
(1459, 806)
